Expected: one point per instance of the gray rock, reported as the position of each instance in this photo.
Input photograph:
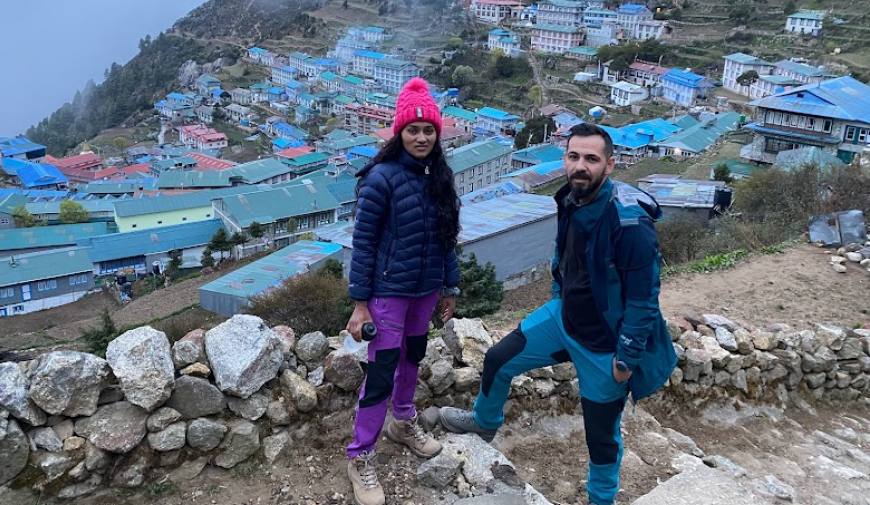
(701, 485)
(718, 356)
(676, 376)
(468, 341)
(52, 464)
(466, 378)
(815, 380)
(205, 434)
(735, 364)
(429, 418)
(141, 359)
(852, 349)
(287, 338)
(723, 463)
(170, 439)
(716, 321)
(726, 339)
(241, 442)
(111, 394)
(477, 457)
(740, 381)
(764, 360)
(790, 359)
(96, 459)
(859, 382)
(683, 442)
(194, 397)
(422, 393)
(169, 458)
(315, 377)
(116, 427)
(843, 379)
(14, 450)
(81, 489)
(438, 472)
(186, 352)
(493, 499)
(64, 429)
(13, 395)
(722, 378)
(826, 359)
(698, 363)
(763, 340)
(543, 388)
(161, 418)
(753, 377)
(131, 468)
(810, 343)
(244, 354)
(45, 438)
(68, 383)
(276, 446)
(312, 347)
(278, 412)
(831, 336)
(778, 372)
(442, 376)
(78, 472)
(343, 369)
(564, 372)
(778, 488)
(251, 408)
(303, 394)
(188, 470)
(744, 341)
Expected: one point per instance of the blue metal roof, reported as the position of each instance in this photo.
(498, 215)
(539, 153)
(49, 236)
(375, 55)
(33, 175)
(363, 151)
(841, 98)
(801, 69)
(747, 59)
(498, 114)
(632, 8)
(641, 134)
(684, 78)
(116, 246)
(496, 190)
(13, 146)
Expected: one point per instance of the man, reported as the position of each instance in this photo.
(604, 315)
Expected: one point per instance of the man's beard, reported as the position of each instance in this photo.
(582, 193)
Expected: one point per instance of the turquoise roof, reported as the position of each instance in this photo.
(44, 265)
(556, 28)
(459, 112)
(808, 14)
(538, 154)
(307, 159)
(472, 155)
(746, 59)
(684, 121)
(116, 246)
(278, 204)
(584, 50)
(269, 272)
(698, 138)
(193, 179)
(49, 236)
(257, 171)
(498, 114)
(168, 203)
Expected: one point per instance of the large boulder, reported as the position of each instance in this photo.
(14, 450)
(312, 347)
(477, 457)
(13, 395)
(205, 434)
(438, 472)
(68, 383)
(115, 427)
(241, 442)
(244, 354)
(468, 341)
(194, 397)
(141, 359)
(300, 391)
(342, 368)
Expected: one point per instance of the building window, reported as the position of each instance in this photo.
(159, 222)
(7, 292)
(4, 220)
(827, 126)
(850, 133)
(132, 226)
(208, 215)
(75, 280)
(46, 285)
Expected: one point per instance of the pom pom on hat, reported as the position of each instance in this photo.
(414, 104)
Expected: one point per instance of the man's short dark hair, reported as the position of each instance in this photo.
(588, 130)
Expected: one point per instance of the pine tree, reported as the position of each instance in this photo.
(220, 242)
(207, 260)
(481, 292)
(255, 229)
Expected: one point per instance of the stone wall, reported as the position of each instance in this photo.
(71, 422)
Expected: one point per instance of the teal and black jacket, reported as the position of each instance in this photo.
(623, 261)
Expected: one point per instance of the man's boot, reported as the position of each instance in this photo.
(366, 488)
(411, 434)
(462, 421)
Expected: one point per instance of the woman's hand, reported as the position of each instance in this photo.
(448, 306)
(359, 317)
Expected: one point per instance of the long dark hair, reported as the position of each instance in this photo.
(441, 187)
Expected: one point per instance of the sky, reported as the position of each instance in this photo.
(50, 48)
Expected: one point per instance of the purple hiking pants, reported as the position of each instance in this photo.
(394, 359)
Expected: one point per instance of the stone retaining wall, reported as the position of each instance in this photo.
(72, 422)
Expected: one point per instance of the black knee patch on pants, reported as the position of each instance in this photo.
(600, 422)
(507, 349)
(561, 356)
(416, 348)
(379, 377)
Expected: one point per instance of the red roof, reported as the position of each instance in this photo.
(206, 163)
(293, 152)
(84, 161)
(107, 172)
(139, 168)
(384, 134)
(648, 67)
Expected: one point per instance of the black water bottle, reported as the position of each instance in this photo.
(369, 331)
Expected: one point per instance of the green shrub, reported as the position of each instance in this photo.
(306, 303)
(98, 338)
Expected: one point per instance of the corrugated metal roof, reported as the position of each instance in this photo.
(44, 265)
(9, 202)
(684, 78)
(701, 136)
(282, 203)
(801, 68)
(167, 203)
(747, 59)
(840, 98)
(257, 171)
(808, 14)
(672, 191)
(115, 246)
(471, 155)
(498, 215)
(641, 134)
(53, 207)
(795, 159)
(33, 175)
(269, 272)
(12, 146)
(496, 190)
(49, 236)
(459, 112)
(497, 114)
(538, 154)
(193, 179)
(684, 121)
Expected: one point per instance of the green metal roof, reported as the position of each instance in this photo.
(808, 14)
(556, 28)
(328, 76)
(169, 164)
(343, 99)
(584, 50)
(277, 204)
(53, 207)
(193, 179)
(49, 236)
(354, 80)
(115, 246)
(8, 203)
(257, 171)
(168, 203)
(474, 154)
(685, 121)
(739, 168)
(44, 265)
(459, 112)
(307, 159)
(338, 134)
(268, 272)
(698, 138)
(347, 143)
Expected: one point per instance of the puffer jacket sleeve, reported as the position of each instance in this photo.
(451, 269)
(371, 211)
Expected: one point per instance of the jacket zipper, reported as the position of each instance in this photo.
(425, 234)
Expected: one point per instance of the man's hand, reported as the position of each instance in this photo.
(448, 306)
(619, 375)
(359, 317)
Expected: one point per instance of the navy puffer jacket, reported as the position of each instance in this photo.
(396, 249)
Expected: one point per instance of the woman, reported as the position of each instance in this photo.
(404, 259)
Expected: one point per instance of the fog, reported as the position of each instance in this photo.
(50, 48)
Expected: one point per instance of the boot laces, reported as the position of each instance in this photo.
(414, 428)
(367, 473)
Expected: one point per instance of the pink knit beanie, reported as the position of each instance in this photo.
(414, 104)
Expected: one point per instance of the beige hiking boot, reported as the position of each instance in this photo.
(366, 488)
(411, 434)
